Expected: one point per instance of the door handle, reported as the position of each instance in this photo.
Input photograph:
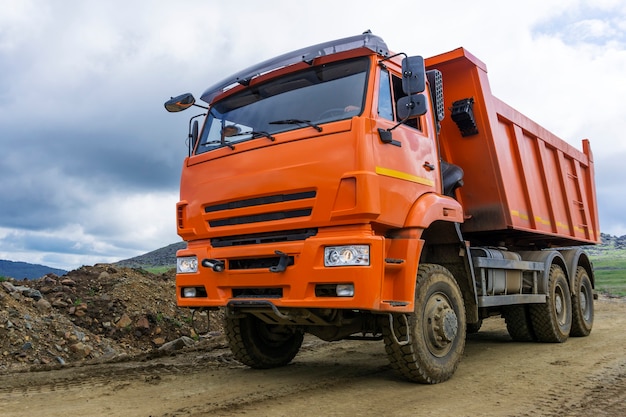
(428, 166)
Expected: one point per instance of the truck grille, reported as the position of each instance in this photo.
(261, 238)
(271, 199)
(270, 206)
(256, 263)
(265, 217)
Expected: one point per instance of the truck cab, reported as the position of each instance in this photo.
(315, 162)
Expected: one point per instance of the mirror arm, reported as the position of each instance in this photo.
(191, 120)
(392, 56)
(189, 135)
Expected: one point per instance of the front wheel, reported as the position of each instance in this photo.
(261, 345)
(426, 346)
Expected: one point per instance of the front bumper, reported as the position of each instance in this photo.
(386, 284)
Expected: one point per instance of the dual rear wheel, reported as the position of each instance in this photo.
(563, 314)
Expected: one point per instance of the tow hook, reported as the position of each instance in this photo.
(283, 263)
(214, 264)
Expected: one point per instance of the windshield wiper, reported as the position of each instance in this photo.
(223, 143)
(256, 134)
(296, 122)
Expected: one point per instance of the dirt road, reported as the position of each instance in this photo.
(497, 377)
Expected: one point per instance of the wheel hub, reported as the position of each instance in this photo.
(449, 327)
(560, 306)
(441, 325)
(583, 303)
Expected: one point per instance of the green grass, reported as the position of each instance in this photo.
(610, 274)
(159, 269)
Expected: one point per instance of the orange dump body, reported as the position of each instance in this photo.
(522, 184)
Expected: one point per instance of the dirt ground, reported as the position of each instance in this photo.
(497, 377)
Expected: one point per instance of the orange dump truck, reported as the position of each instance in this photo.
(331, 191)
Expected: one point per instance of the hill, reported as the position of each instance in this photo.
(612, 246)
(21, 270)
(165, 256)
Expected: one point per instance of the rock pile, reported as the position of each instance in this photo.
(99, 312)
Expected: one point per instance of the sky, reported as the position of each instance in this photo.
(90, 161)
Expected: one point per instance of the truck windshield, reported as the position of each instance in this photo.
(303, 100)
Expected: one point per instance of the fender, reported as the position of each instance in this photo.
(431, 207)
(575, 257)
(548, 257)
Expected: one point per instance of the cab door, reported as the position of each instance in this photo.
(408, 165)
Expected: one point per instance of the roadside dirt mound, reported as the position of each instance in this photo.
(100, 312)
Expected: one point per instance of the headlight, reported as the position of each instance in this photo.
(186, 265)
(347, 255)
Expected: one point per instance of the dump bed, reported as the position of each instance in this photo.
(522, 185)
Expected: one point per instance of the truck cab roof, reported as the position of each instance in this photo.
(366, 40)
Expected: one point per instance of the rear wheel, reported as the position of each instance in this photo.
(427, 345)
(552, 320)
(582, 304)
(261, 345)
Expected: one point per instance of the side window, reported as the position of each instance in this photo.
(385, 107)
(399, 93)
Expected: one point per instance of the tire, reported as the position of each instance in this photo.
(436, 339)
(518, 323)
(582, 304)
(261, 345)
(474, 327)
(552, 320)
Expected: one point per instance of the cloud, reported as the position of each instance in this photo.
(108, 229)
(91, 161)
(595, 24)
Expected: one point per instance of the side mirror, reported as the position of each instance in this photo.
(413, 75)
(180, 103)
(410, 106)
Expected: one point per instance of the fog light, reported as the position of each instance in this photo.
(189, 292)
(345, 290)
(334, 290)
(193, 292)
(186, 265)
(349, 255)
